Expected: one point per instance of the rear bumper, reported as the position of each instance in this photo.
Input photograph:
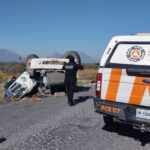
(121, 112)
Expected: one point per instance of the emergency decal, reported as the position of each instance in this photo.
(110, 109)
(135, 53)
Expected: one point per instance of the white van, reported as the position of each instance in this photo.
(123, 82)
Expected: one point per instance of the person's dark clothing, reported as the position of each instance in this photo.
(70, 87)
(71, 79)
(71, 71)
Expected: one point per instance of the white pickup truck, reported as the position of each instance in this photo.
(123, 82)
(43, 75)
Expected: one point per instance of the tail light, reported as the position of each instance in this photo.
(98, 84)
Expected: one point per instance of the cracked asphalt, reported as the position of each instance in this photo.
(51, 124)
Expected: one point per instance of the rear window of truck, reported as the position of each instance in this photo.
(126, 54)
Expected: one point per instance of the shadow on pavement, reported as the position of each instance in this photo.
(82, 89)
(2, 140)
(127, 130)
(82, 99)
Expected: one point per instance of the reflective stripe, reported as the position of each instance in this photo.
(117, 86)
(138, 91)
(113, 84)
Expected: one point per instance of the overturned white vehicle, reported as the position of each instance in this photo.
(43, 76)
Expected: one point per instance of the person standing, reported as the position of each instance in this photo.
(71, 69)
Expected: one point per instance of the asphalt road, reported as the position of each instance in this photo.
(51, 124)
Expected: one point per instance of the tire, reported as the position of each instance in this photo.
(73, 54)
(28, 61)
(108, 120)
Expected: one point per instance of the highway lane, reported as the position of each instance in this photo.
(51, 124)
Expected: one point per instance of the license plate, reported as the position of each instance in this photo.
(142, 113)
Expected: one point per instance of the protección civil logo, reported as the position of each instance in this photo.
(135, 53)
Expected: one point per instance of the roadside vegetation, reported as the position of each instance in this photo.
(88, 74)
(7, 70)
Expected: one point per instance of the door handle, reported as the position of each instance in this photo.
(147, 81)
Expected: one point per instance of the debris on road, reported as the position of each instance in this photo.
(35, 99)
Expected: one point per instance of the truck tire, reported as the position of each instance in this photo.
(108, 120)
(73, 54)
(28, 61)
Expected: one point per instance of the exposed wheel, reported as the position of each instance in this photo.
(108, 120)
(73, 54)
(28, 62)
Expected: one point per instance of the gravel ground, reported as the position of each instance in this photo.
(51, 124)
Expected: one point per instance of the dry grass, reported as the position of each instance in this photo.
(88, 75)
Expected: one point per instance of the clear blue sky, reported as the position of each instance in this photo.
(47, 26)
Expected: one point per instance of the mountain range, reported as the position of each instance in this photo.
(10, 56)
